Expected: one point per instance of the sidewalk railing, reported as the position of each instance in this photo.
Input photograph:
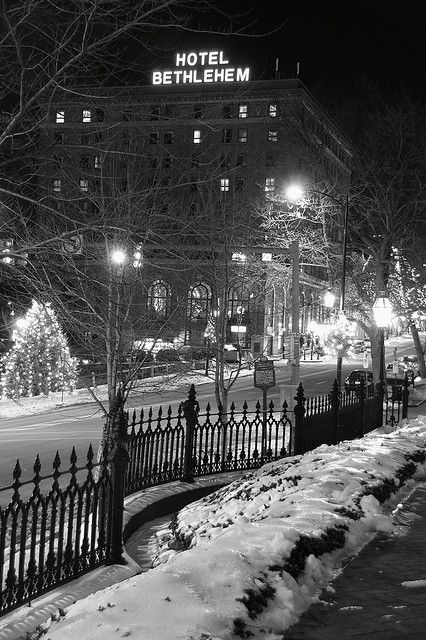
(57, 527)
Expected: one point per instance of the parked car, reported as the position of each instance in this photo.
(399, 377)
(144, 358)
(167, 355)
(353, 380)
(230, 352)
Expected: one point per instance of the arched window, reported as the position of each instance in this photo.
(199, 297)
(158, 299)
(239, 304)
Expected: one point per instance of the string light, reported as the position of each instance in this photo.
(39, 361)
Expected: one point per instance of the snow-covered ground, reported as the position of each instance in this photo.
(254, 555)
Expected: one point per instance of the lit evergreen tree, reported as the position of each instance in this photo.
(40, 361)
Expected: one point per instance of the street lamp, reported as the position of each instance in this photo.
(118, 256)
(382, 311)
(295, 193)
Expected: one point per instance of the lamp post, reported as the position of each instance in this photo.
(295, 192)
(382, 311)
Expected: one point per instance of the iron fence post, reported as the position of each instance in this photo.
(335, 403)
(405, 394)
(190, 415)
(361, 423)
(299, 412)
(118, 458)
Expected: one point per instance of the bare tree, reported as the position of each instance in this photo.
(386, 203)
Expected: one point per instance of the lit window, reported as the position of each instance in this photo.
(199, 300)
(197, 136)
(242, 111)
(57, 185)
(270, 185)
(158, 299)
(224, 184)
(84, 184)
(97, 162)
(272, 110)
(60, 116)
(273, 136)
(242, 135)
(87, 115)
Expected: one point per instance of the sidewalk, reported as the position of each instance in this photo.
(381, 593)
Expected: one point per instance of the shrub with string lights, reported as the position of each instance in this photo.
(39, 361)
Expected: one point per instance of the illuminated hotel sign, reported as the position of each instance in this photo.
(212, 66)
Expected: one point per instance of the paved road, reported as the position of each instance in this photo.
(61, 429)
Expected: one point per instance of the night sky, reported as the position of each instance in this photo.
(337, 42)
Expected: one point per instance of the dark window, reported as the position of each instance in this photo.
(224, 161)
(227, 110)
(154, 137)
(226, 135)
(168, 137)
(58, 138)
(170, 111)
(270, 161)
(84, 139)
(84, 162)
(100, 115)
(58, 159)
(128, 114)
(240, 161)
(153, 163)
(194, 187)
(154, 114)
(167, 162)
(239, 183)
(198, 110)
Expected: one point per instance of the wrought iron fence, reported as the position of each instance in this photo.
(168, 447)
(55, 535)
(75, 523)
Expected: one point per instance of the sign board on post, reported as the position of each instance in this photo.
(264, 373)
(395, 366)
(365, 359)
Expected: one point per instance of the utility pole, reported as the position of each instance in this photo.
(295, 311)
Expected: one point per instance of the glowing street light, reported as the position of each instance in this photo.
(329, 299)
(294, 192)
(118, 256)
(382, 311)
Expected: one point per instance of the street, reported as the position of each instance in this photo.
(79, 425)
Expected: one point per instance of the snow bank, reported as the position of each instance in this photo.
(253, 556)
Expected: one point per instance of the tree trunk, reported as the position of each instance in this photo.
(419, 350)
